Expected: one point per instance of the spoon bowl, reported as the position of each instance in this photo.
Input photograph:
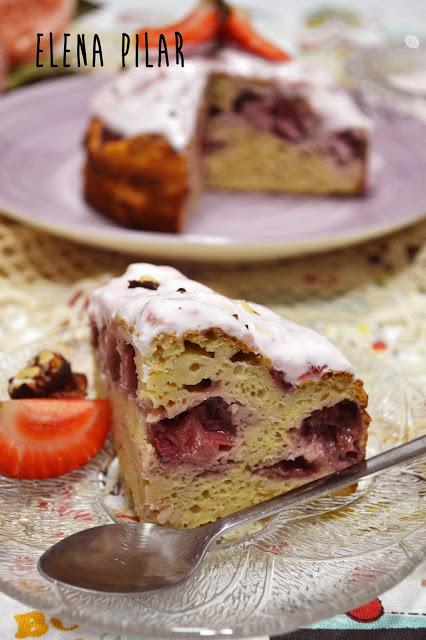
(127, 557)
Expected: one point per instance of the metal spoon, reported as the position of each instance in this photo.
(135, 558)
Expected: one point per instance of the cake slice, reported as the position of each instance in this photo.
(230, 121)
(217, 403)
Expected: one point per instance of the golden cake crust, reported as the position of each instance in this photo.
(140, 182)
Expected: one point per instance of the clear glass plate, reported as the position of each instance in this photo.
(307, 564)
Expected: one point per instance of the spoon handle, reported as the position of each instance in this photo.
(328, 484)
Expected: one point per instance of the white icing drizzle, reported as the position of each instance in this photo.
(157, 100)
(165, 100)
(293, 350)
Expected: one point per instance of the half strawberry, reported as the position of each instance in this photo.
(198, 27)
(238, 29)
(47, 437)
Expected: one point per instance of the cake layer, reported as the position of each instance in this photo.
(325, 440)
(218, 403)
(279, 140)
(184, 496)
(183, 385)
(273, 165)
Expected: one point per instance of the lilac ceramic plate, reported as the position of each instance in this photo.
(41, 132)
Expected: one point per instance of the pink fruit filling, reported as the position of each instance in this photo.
(346, 145)
(195, 436)
(117, 357)
(288, 117)
(328, 440)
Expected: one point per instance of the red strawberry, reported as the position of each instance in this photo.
(184, 440)
(238, 29)
(43, 438)
(201, 25)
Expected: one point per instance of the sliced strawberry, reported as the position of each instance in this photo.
(187, 442)
(195, 436)
(238, 29)
(200, 26)
(47, 437)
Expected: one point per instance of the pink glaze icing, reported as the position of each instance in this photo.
(179, 305)
(165, 100)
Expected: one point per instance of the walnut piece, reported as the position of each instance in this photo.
(48, 375)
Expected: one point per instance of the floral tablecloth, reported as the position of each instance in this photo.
(372, 297)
